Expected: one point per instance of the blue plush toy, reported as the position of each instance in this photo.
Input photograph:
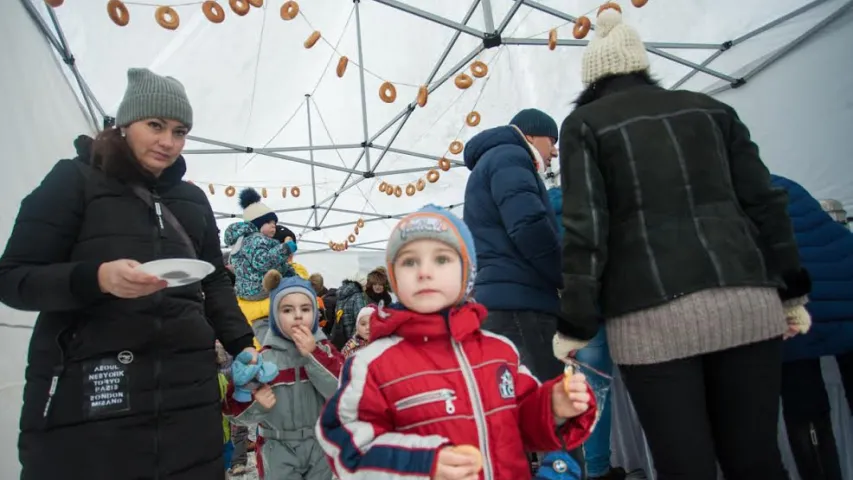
(248, 377)
(559, 466)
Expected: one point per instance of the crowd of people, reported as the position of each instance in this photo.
(482, 348)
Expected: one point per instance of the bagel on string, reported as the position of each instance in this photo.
(360, 223)
(342, 66)
(410, 190)
(389, 190)
(552, 39)
(240, 7)
(211, 189)
(423, 95)
(351, 238)
(167, 17)
(355, 229)
(398, 191)
(456, 147)
(289, 10)
(230, 191)
(463, 81)
(213, 11)
(312, 39)
(54, 3)
(444, 164)
(605, 6)
(256, 3)
(433, 176)
(294, 192)
(420, 185)
(473, 119)
(383, 186)
(479, 69)
(581, 28)
(118, 13)
(283, 192)
(388, 92)
(264, 192)
(639, 3)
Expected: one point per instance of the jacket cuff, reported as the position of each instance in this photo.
(84, 281)
(583, 331)
(234, 347)
(797, 284)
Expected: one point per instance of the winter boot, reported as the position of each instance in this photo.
(814, 448)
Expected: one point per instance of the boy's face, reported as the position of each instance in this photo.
(363, 328)
(429, 276)
(268, 228)
(295, 309)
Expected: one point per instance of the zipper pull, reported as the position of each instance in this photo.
(159, 211)
(449, 407)
(54, 383)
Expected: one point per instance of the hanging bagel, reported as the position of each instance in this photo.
(444, 164)
(256, 3)
(479, 69)
(389, 190)
(331, 244)
(240, 7)
(581, 29)
(383, 186)
(398, 191)
(211, 189)
(294, 192)
(355, 229)
(423, 95)
(456, 147)
(473, 119)
(605, 6)
(312, 39)
(213, 11)
(463, 81)
(118, 13)
(552, 39)
(388, 92)
(230, 191)
(264, 192)
(167, 18)
(433, 176)
(359, 223)
(283, 192)
(342, 66)
(410, 190)
(289, 10)
(54, 3)
(420, 185)
(639, 3)
(351, 238)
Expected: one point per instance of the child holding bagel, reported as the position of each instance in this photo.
(433, 396)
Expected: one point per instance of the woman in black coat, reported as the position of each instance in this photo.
(121, 377)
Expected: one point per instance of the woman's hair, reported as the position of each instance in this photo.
(377, 277)
(594, 91)
(112, 155)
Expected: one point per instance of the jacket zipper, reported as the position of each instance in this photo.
(476, 407)
(158, 325)
(816, 449)
(443, 395)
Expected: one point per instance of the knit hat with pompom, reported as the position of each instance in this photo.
(254, 210)
(617, 49)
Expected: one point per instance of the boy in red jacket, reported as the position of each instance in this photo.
(433, 396)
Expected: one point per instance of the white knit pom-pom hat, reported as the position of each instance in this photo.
(617, 49)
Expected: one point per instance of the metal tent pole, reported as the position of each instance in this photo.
(311, 153)
(693, 72)
(417, 154)
(433, 18)
(488, 18)
(361, 80)
(773, 23)
(509, 16)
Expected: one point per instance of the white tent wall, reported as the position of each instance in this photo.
(800, 111)
(41, 117)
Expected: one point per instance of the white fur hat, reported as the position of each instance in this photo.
(617, 49)
(366, 311)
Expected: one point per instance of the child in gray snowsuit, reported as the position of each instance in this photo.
(287, 408)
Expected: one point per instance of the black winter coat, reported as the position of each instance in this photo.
(664, 194)
(136, 391)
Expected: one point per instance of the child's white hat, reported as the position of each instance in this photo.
(366, 311)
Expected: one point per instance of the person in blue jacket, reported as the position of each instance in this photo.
(515, 235)
(826, 251)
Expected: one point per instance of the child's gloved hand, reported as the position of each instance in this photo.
(570, 399)
(267, 371)
(290, 246)
(244, 368)
(799, 321)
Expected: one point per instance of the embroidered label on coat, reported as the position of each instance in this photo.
(105, 386)
(506, 385)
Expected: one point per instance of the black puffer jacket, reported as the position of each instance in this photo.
(136, 394)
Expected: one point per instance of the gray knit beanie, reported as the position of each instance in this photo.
(149, 95)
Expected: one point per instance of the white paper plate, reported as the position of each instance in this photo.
(178, 272)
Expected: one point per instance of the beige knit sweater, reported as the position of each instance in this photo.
(702, 322)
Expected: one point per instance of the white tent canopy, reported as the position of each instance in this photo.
(248, 78)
